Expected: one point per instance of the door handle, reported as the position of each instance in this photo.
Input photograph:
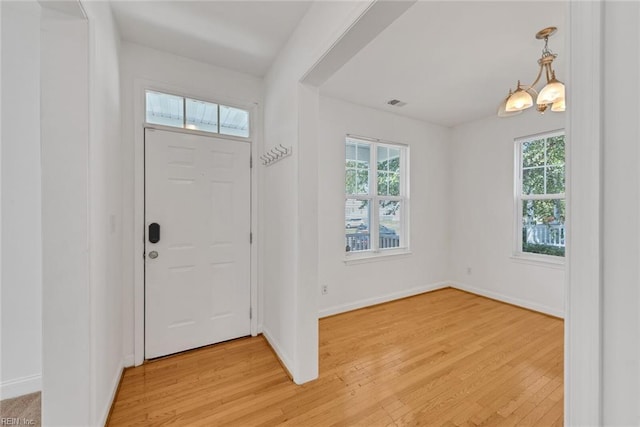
(154, 232)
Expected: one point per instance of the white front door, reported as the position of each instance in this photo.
(197, 211)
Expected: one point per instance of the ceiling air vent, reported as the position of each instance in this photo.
(396, 103)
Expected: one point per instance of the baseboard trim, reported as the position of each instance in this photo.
(381, 299)
(20, 386)
(115, 387)
(128, 361)
(433, 287)
(509, 300)
(286, 363)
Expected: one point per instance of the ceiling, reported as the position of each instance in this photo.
(452, 62)
(245, 36)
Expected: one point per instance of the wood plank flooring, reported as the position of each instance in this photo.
(443, 358)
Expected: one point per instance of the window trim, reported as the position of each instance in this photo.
(146, 125)
(518, 254)
(357, 257)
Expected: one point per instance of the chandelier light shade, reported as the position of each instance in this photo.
(552, 94)
(502, 109)
(520, 100)
(558, 105)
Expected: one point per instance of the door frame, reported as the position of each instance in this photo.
(140, 85)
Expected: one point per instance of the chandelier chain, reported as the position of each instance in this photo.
(546, 50)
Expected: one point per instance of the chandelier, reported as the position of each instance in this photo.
(552, 94)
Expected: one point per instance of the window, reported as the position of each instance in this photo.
(164, 109)
(202, 116)
(540, 194)
(376, 196)
(177, 111)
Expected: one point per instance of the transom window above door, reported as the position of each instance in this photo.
(187, 113)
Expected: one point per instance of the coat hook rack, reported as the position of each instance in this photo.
(275, 154)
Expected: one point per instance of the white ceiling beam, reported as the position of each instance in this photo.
(371, 23)
(67, 7)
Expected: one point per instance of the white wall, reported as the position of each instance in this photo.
(105, 208)
(62, 91)
(82, 206)
(0, 197)
(356, 285)
(621, 215)
(482, 214)
(144, 67)
(289, 259)
(65, 219)
(21, 358)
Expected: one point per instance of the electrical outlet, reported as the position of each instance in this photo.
(325, 289)
(469, 270)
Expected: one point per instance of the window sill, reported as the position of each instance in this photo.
(547, 261)
(361, 258)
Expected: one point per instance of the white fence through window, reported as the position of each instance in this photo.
(360, 241)
(545, 234)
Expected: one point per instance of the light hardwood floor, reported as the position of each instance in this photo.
(441, 358)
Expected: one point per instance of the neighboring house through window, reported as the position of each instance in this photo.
(540, 194)
(376, 196)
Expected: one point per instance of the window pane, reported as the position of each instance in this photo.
(202, 115)
(350, 152)
(383, 183)
(533, 181)
(543, 227)
(359, 152)
(357, 167)
(390, 225)
(363, 153)
(394, 184)
(383, 156)
(394, 160)
(356, 181)
(164, 109)
(388, 184)
(533, 153)
(388, 159)
(356, 224)
(350, 181)
(555, 179)
(388, 171)
(555, 150)
(234, 121)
